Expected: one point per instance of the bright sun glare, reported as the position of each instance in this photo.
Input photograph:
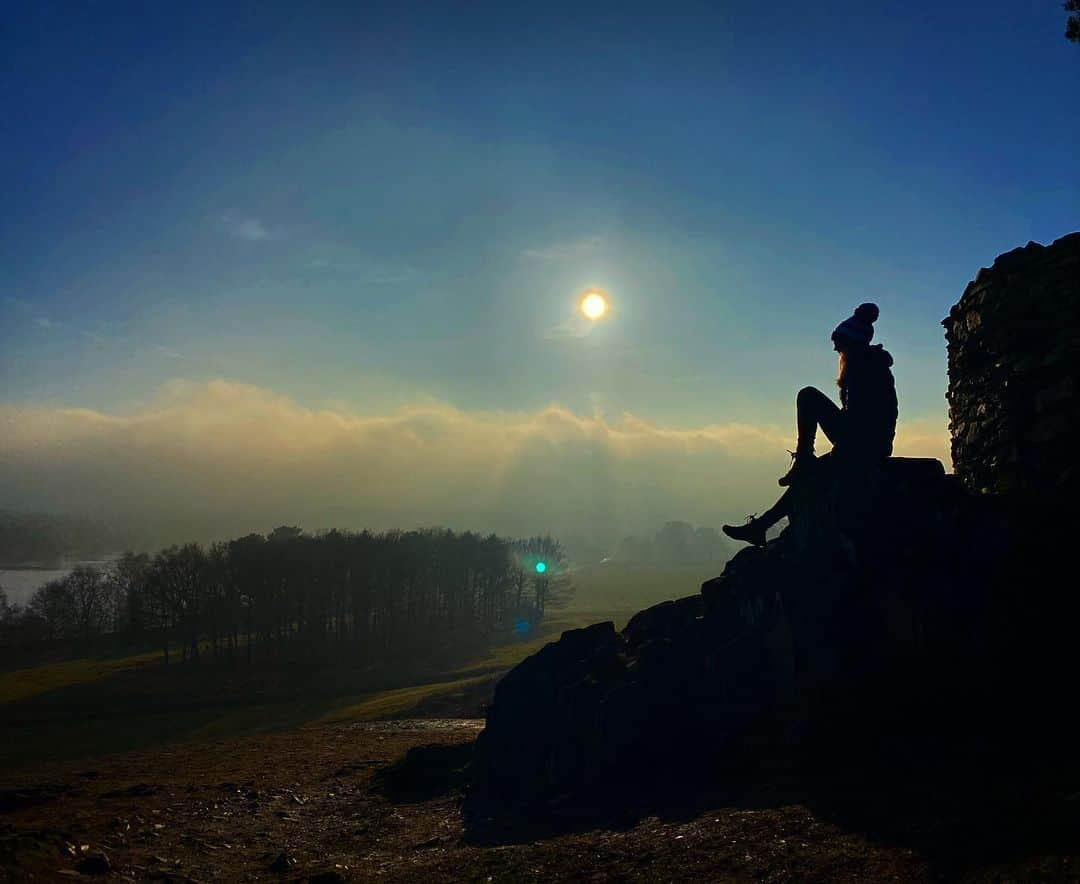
(594, 305)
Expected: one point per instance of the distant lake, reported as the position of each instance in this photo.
(20, 583)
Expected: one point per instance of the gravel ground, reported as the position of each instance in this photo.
(327, 803)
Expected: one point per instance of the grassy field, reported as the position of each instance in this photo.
(21, 684)
(91, 706)
(88, 707)
(620, 588)
(393, 703)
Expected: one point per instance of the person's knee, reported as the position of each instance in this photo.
(808, 393)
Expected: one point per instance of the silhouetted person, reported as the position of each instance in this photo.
(861, 429)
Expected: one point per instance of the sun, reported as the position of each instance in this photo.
(594, 305)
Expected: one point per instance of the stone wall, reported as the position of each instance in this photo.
(1014, 372)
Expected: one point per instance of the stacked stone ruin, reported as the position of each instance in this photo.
(898, 603)
(1014, 371)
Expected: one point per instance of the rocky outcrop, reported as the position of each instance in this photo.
(758, 656)
(897, 607)
(1014, 372)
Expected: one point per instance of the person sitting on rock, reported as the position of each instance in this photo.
(861, 429)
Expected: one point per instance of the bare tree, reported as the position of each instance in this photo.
(181, 583)
(87, 590)
(130, 575)
(50, 610)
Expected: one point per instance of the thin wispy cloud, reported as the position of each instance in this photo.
(248, 228)
(573, 327)
(364, 270)
(30, 313)
(573, 250)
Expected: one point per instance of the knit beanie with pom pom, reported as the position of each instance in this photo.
(860, 326)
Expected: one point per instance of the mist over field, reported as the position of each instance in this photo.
(215, 459)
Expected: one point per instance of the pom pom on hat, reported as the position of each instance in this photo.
(868, 313)
(859, 327)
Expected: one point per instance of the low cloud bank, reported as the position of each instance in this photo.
(219, 459)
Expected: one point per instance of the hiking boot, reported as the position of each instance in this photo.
(752, 532)
(802, 465)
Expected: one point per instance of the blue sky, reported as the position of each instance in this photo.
(365, 208)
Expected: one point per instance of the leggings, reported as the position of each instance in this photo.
(813, 409)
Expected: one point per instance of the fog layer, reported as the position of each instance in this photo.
(218, 458)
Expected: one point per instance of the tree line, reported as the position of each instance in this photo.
(365, 596)
(675, 543)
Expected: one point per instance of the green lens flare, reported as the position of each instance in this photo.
(540, 567)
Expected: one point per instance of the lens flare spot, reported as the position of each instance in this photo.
(541, 567)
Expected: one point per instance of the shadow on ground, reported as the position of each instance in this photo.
(963, 822)
(427, 772)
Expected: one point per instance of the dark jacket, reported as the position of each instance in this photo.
(868, 397)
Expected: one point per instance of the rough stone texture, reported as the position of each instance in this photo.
(1014, 372)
